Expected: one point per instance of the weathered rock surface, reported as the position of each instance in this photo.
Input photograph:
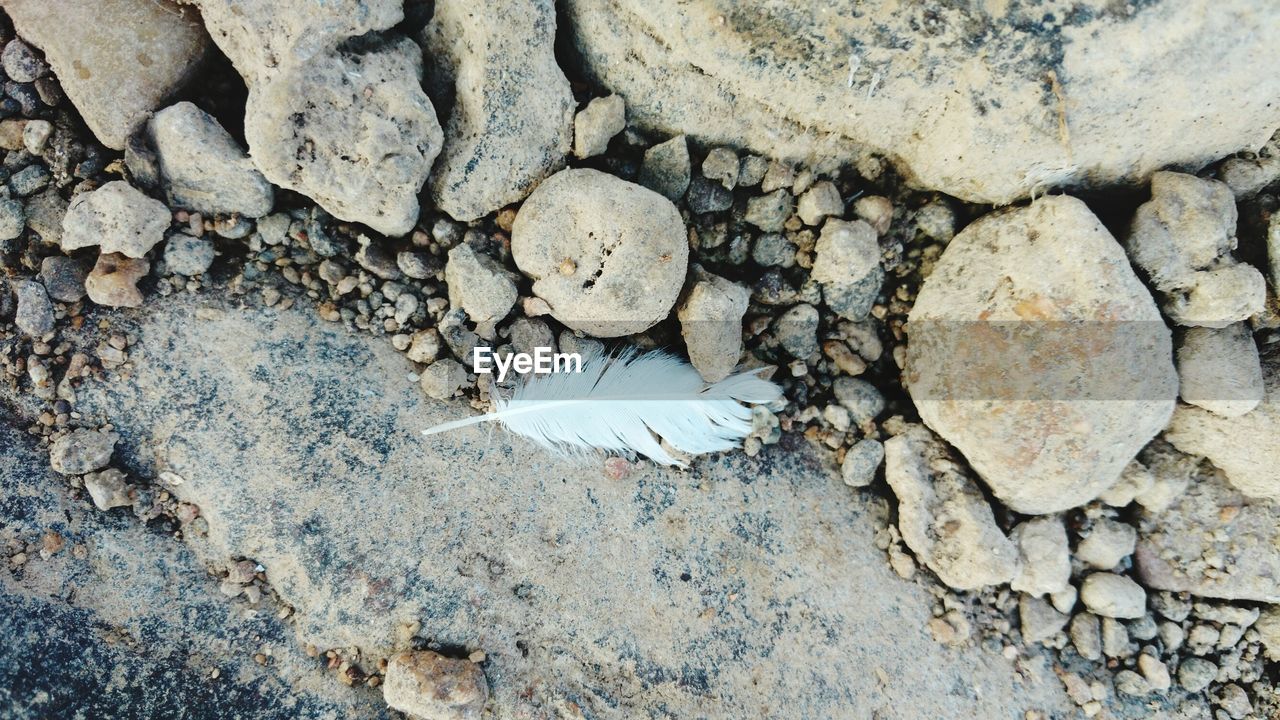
(607, 255)
(362, 525)
(711, 324)
(1213, 542)
(118, 218)
(143, 608)
(1247, 447)
(82, 451)
(1182, 239)
(943, 516)
(596, 124)
(203, 167)
(117, 60)
(113, 282)
(666, 168)
(430, 686)
(33, 314)
(479, 284)
(1219, 370)
(1063, 94)
(1044, 556)
(1037, 352)
(847, 263)
(263, 38)
(512, 118)
(351, 129)
(1113, 596)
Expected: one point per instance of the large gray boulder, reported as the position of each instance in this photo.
(299, 443)
(1037, 352)
(989, 102)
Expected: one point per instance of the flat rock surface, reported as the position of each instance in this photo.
(1060, 93)
(134, 627)
(745, 588)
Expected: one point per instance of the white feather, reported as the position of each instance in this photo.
(625, 404)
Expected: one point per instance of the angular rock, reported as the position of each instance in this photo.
(861, 462)
(721, 164)
(1113, 596)
(13, 219)
(1182, 239)
(822, 82)
(429, 686)
(108, 489)
(442, 379)
(1213, 542)
(1246, 448)
(203, 167)
(351, 130)
(846, 252)
(797, 331)
(943, 516)
(1036, 351)
(1086, 635)
(113, 282)
(115, 72)
(711, 324)
(863, 401)
(1044, 557)
(666, 168)
(187, 255)
(607, 255)
(117, 217)
(1040, 621)
(513, 110)
(479, 284)
(64, 277)
(262, 39)
(596, 124)
(82, 451)
(820, 202)
(769, 212)
(1219, 370)
(34, 313)
(1108, 542)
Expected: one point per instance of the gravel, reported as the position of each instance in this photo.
(666, 168)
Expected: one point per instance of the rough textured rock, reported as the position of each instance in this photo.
(1061, 95)
(34, 312)
(1219, 370)
(847, 263)
(114, 71)
(64, 277)
(82, 451)
(1044, 557)
(1213, 542)
(1246, 448)
(596, 124)
(369, 526)
(943, 516)
(113, 282)
(188, 255)
(203, 167)
(117, 217)
(350, 129)
(711, 324)
(144, 609)
(479, 284)
(1113, 596)
(429, 686)
(1108, 543)
(607, 255)
(1182, 239)
(666, 168)
(511, 124)
(263, 38)
(1031, 318)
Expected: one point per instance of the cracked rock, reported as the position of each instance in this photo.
(943, 516)
(607, 255)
